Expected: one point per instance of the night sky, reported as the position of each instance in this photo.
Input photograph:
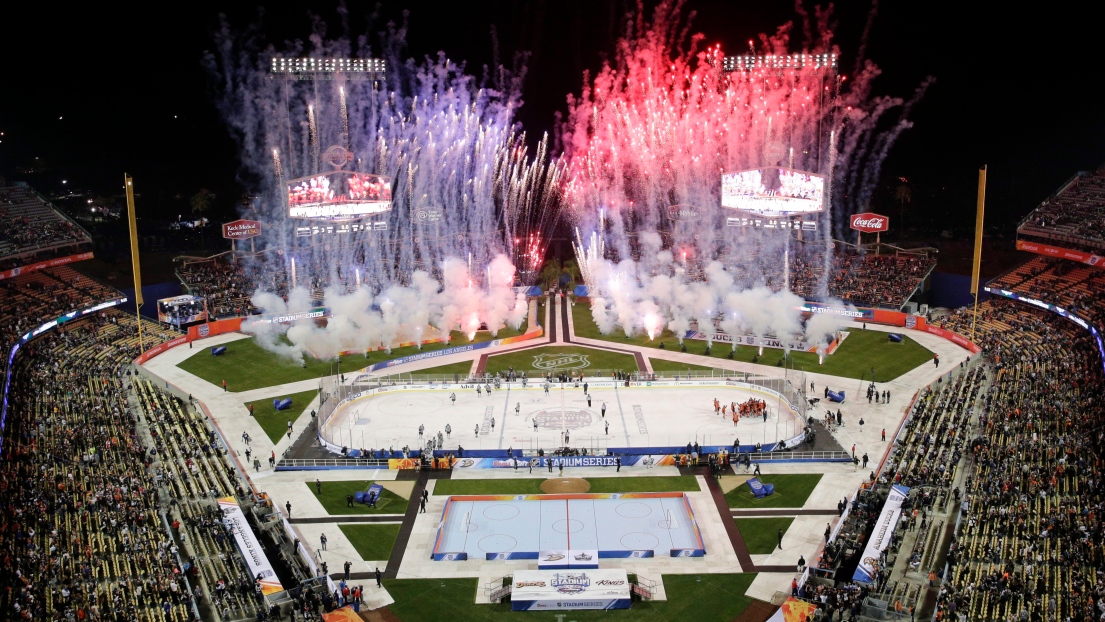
(93, 92)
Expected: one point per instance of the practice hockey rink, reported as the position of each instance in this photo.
(616, 526)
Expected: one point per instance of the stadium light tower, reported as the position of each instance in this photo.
(757, 62)
(327, 68)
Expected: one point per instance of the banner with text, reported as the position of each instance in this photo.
(880, 538)
(549, 590)
(250, 547)
(1064, 253)
(50, 263)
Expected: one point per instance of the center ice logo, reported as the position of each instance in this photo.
(562, 419)
(561, 361)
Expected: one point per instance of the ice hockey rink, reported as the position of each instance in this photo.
(613, 525)
(649, 415)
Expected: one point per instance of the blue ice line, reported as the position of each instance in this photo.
(621, 413)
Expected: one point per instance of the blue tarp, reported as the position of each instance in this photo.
(836, 396)
(580, 290)
(761, 489)
(373, 491)
(283, 404)
(895, 337)
(534, 290)
(218, 350)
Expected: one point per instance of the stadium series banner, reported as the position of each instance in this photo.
(533, 334)
(880, 538)
(549, 590)
(250, 548)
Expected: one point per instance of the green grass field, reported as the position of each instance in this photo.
(861, 352)
(596, 359)
(665, 365)
(701, 598)
(762, 534)
(334, 493)
(267, 369)
(275, 423)
(373, 541)
(681, 483)
(791, 491)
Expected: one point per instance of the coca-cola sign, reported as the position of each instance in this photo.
(241, 229)
(870, 223)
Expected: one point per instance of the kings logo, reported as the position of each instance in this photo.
(561, 361)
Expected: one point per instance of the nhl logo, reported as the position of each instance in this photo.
(561, 361)
(204, 330)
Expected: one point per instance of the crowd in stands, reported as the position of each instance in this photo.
(1030, 544)
(1018, 430)
(862, 279)
(1074, 286)
(1078, 211)
(228, 284)
(80, 533)
(189, 464)
(29, 300)
(31, 223)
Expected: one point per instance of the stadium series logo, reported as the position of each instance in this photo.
(911, 321)
(570, 583)
(204, 330)
(563, 419)
(561, 361)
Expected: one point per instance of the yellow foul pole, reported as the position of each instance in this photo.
(134, 260)
(978, 243)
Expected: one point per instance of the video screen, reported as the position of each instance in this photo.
(181, 310)
(773, 191)
(340, 195)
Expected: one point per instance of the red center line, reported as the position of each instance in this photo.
(568, 526)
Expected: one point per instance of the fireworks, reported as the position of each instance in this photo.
(656, 127)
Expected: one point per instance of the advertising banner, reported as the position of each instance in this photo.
(1056, 251)
(548, 590)
(751, 340)
(154, 351)
(59, 261)
(868, 222)
(217, 327)
(955, 338)
(250, 548)
(568, 461)
(455, 350)
(241, 229)
(880, 538)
